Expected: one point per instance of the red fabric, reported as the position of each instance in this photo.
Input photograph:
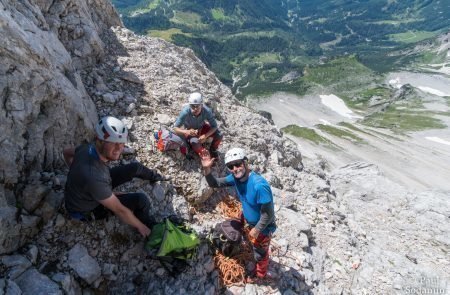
(262, 242)
(197, 147)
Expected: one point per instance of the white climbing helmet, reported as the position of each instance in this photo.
(195, 98)
(235, 154)
(112, 130)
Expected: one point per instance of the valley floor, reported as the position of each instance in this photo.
(418, 160)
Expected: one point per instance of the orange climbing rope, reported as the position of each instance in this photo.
(231, 272)
(229, 207)
(232, 269)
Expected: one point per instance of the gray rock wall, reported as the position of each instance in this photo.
(44, 104)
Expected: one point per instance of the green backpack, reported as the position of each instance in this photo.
(175, 245)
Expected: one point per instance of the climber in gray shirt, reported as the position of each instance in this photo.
(90, 181)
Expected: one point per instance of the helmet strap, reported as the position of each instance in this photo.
(100, 146)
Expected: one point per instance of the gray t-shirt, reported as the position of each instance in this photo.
(188, 120)
(88, 182)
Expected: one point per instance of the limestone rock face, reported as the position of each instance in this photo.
(15, 229)
(45, 106)
(45, 103)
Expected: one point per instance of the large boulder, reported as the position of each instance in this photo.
(34, 283)
(15, 229)
(83, 264)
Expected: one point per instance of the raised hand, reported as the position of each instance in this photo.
(207, 161)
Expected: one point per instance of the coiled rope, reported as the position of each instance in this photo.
(232, 269)
(229, 207)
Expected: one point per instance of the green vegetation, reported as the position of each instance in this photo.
(411, 36)
(306, 133)
(267, 39)
(341, 133)
(361, 99)
(141, 6)
(166, 34)
(432, 57)
(189, 19)
(403, 120)
(353, 127)
(397, 22)
(218, 14)
(336, 71)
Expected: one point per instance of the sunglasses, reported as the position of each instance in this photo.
(234, 165)
(195, 106)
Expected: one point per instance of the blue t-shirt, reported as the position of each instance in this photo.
(252, 193)
(188, 120)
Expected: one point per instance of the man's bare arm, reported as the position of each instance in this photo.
(125, 214)
(185, 132)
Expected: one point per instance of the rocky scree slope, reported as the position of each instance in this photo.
(61, 68)
(318, 248)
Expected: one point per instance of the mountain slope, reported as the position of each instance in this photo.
(260, 42)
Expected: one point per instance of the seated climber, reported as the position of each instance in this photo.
(88, 192)
(255, 194)
(199, 124)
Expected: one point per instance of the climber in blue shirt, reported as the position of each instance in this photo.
(256, 197)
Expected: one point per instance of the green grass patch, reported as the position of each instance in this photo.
(269, 75)
(166, 34)
(253, 34)
(143, 7)
(411, 36)
(341, 133)
(431, 57)
(218, 14)
(353, 127)
(361, 99)
(343, 70)
(189, 19)
(305, 133)
(402, 120)
(397, 22)
(266, 58)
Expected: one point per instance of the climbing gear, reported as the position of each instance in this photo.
(195, 98)
(111, 129)
(232, 269)
(227, 237)
(235, 154)
(229, 207)
(168, 140)
(175, 244)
